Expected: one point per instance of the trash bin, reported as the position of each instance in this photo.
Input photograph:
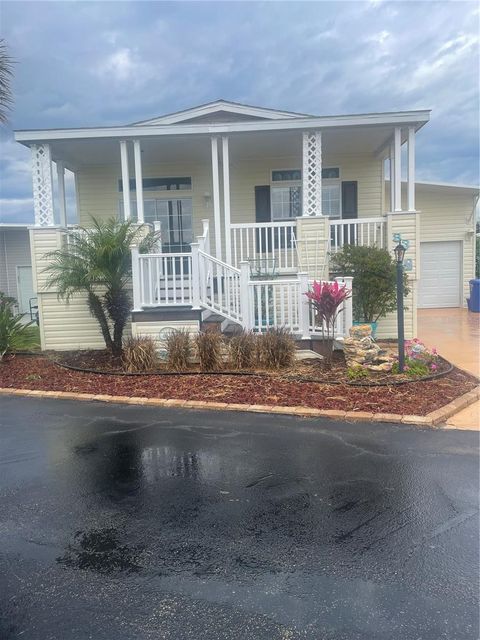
(474, 299)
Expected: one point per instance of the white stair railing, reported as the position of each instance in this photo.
(218, 285)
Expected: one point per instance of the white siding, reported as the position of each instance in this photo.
(14, 252)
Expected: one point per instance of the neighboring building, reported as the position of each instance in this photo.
(239, 190)
(16, 264)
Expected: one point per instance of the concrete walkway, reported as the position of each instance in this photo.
(456, 334)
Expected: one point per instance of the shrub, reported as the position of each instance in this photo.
(14, 334)
(326, 298)
(357, 373)
(276, 348)
(209, 346)
(374, 287)
(139, 354)
(178, 344)
(242, 350)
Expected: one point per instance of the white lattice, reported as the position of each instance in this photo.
(42, 185)
(312, 173)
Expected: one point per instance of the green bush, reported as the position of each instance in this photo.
(374, 276)
(357, 373)
(413, 369)
(14, 334)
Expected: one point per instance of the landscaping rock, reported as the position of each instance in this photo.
(361, 350)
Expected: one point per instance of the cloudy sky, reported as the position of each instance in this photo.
(89, 63)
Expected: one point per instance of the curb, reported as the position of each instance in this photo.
(432, 419)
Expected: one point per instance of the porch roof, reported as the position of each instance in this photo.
(353, 135)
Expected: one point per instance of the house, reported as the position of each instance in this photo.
(16, 265)
(251, 202)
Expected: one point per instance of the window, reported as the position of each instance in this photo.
(333, 173)
(291, 175)
(161, 184)
(331, 200)
(286, 202)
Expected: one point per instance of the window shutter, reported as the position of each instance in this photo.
(262, 204)
(349, 199)
(262, 214)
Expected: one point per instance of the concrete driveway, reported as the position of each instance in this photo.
(456, 334)
(121, 522)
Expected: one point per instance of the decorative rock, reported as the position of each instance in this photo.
(361, 350)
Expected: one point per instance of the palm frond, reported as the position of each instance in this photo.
(6, 74)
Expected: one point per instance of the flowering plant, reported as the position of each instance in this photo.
(326, 299)
(419, 360)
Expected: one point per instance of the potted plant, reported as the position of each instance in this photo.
(374, 281)
(326, 299)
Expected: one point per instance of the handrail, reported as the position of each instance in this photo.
(337, 221)
(263, 225)
(219, 262)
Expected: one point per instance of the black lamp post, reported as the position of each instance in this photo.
(399, 256)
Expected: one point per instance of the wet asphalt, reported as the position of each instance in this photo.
(119, 522)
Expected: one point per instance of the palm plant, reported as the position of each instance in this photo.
(97, 262)
(6, 74)
(15, 335)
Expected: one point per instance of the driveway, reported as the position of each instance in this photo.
(124, 522)
(456, 334)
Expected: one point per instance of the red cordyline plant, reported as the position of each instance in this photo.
(326, 299)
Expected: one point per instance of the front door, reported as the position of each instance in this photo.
(175, 216)
(24, 288)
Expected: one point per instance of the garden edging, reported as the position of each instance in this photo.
(433, 418)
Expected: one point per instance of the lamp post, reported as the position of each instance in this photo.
(399, 256)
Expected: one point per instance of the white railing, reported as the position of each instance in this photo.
(361, 231)
(219, 285)
(161, 279)
(275, 303)
(270, 244)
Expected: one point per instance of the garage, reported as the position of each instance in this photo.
(440, 274)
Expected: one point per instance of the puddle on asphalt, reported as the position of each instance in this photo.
(100, 550)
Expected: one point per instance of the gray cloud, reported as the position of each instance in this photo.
(87, 63)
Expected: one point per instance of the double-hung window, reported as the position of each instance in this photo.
(286, 193)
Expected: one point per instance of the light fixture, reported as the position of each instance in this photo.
(399, 253)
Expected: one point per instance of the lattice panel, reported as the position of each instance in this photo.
(42, 185)
(312, 173)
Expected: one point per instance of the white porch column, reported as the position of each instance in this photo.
(312, 173)
(226, 199)
(216, 199)
(127, 212)
(392, 177)
(42, 185)
(62, 203)
(411, 169)
(397, 143)
(137, 153)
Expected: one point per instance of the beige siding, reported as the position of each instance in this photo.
(448, 215)
(14, 252)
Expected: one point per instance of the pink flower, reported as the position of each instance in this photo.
(433, 367)
(434, 351)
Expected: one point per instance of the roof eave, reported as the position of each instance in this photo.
(402, 118)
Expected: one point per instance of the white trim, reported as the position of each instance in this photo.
(226, 198)
(216, 198)
(137, 152)
(17, 284)
(62, 203)
(411, 169)
(397, 173)
(127, 211)
(220, 105)
(418, 118)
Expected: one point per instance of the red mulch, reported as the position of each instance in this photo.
(419, 398)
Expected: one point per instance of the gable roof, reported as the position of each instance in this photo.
(221, 110)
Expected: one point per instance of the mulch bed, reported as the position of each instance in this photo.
(40, 372)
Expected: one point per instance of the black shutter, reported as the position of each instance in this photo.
(262, 214)
(349, 199)
(262, 204)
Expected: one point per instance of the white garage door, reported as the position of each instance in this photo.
(440, 279)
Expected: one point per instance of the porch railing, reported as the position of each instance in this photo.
(262, 241)
(360, 231)
(204, 282)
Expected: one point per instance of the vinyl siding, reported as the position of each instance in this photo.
(14, 252)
